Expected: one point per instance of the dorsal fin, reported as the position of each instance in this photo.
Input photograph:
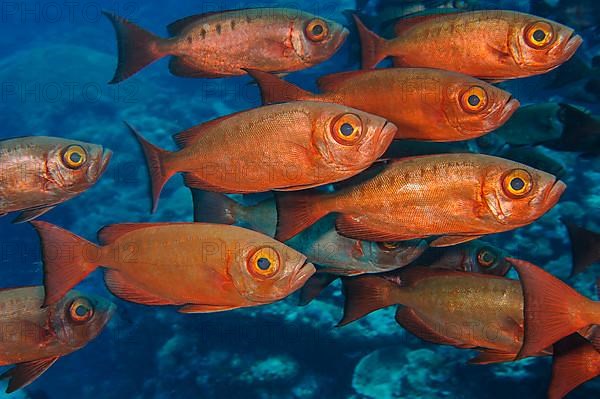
(413, 20)
(189, 136)
(333, 81)
(175, 28)
(111, 233)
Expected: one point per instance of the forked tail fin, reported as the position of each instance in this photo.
(372, 46)
(276, 90)
(296, 212)
(365, 294)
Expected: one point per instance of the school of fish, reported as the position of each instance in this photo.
(400, 224)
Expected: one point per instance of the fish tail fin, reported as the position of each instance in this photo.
(585, 247)
(296, 212)
(159, 175)
(273, 89)
(365, 294)
(212, 207)
(314, 286)
(574, 362)
(137, 47)
(68, 259)
(553, 310)
(372, 46)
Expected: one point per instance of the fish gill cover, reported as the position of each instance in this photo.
(520, 92)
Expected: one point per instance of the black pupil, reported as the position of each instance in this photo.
(346, 129)
(488, 258)
(264, 264)
(474, 100)
(81, 310)
(75, 157)
(317, 30)
(517, 183)
(539, 35)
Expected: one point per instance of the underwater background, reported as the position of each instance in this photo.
(57, 59)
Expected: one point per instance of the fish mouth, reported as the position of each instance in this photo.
(304, 272)
(554, 193)
(103, 164)
(341, 38)
(386, 135)
(512, 104)
(572, 45)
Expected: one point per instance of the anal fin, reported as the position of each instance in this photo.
(410, 320)
(193, 308)
(125, 290)
(447, 241)
(31, 214)
(24, 374)
(179, 67)
(354, 227)
(489, 357)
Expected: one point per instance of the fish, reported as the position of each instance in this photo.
(38, 173)
(221, 44)
(425, 104)
(453, 198)
(283, 147)
(35, 337)
(333, 254)
(581, 131)
(585, 247)
(493, 45)
(199, 267)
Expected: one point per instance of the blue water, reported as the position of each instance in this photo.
(57, 58)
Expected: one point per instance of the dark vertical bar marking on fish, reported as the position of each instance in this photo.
(218, 29)
(203, 33)
(232, 24)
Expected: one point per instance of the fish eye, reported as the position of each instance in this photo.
(316, 30)
(517, 183)
(264, 262)
(486, 257)
(460, 4)
(388, 246)
(74, 156)
(347, 129)
(539, 34)
(474, 99)
(81, 310)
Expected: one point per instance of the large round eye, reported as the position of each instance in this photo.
(460, 4)
(474, 100)
(517, 183)
(81, 310)
(539, 34)
(347, 129)
(264, 262)
(388, 246)
(486, 258)
(74, 156)
(316, 30)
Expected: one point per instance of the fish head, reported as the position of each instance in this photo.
(516, 194)
(267, 270)
(75, 166)
(348, 140)
(391, 255)
(316, 39)
(539, 45)
(78, 318)
(474, 107)
(482, 257)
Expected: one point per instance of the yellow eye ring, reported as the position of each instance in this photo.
(74, 156)
(517, 183)
(316, 30)
(474, 99)
(539, 34)
(264, 262)
(388, 246)
(347, 129)
(486, 258)
(81, 310)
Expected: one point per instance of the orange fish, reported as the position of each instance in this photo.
(199, 266)
(488, 44)
(457, 197)
(282, 147)
(38, 173)
(221, 44)
(34, 338)
(425, 104)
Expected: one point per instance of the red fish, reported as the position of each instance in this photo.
(488, 44)
(34, 337)
(221, 44)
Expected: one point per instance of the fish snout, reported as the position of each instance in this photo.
(554, 193)
(511, 106)
(102, 162)
(301, 275)
(571, 47)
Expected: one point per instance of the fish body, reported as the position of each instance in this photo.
(222, 44)
(283, 147)
(37, 174)
(491, 45)
(425, 104)
(457, 197)
(202, 267)
(34, 337)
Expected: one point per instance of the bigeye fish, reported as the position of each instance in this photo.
(198, 266)
(34, 337)
(493, 45)
(37, 173)
(454, 197)
(425, 104)
(283, 147)
(222, 44)
(333, 254)
(585, 247)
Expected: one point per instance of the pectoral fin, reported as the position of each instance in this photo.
(206, 308)
(446, 241)
(24, 374)
(31, 214)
